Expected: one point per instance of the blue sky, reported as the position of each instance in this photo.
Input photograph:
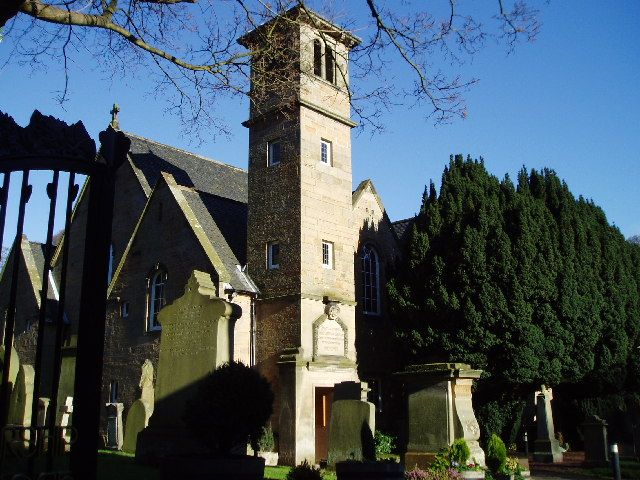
(569, 101)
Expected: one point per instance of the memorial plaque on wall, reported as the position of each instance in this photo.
(330, 339)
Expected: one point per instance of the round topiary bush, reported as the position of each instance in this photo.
(230, 408)
(304, 471)
(459, 451)
(496, 454)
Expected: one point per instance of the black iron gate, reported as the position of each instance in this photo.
(48, 144)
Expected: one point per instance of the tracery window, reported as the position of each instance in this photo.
(370, 280)
(156, 297)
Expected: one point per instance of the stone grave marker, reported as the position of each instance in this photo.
(546, 447)
(115, 434)
(67, 374)
(13, 368)
(353, 421)
(594, 432)
(440, 410)
(43, 408)
(141, 410)
(195, 340)
(66, 411)
(22, 397)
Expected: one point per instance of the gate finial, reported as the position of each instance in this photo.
(114, 117)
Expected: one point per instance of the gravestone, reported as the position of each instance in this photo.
(594, 432)
(141, 409)
(115, 432)
(353, 421)
(195, 340)
(43, 408)
(13, 368)
(67, 373)
(440, 410)
(66, 411)
(546, 447)
(22, 397)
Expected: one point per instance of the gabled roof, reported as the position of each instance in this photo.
(149, 158)
(402, 229)
(200, 209)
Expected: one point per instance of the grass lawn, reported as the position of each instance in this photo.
(280, 473)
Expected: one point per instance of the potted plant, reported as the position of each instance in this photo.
(229, 409)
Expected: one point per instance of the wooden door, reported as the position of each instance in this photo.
(323, 397)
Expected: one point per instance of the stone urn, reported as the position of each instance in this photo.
(350, 470)
(226, 468)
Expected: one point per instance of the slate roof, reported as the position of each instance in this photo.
(188, 169)
(225, 223)
(402, 229)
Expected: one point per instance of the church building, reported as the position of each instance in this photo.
(303, 254)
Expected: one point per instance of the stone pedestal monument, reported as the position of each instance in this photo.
(440, 411)
(353, 421)
(546, 447)
(594, 431)
(195, 340)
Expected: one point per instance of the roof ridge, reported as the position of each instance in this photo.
(185, 151)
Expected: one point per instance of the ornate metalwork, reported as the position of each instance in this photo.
(45, 136)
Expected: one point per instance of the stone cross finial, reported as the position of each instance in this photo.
(115, 124)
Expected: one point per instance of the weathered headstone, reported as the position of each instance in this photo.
(546, 447)
(13, 368)
(22, 397)
(439, 411)
(115, 434)
(353, 421)
(43, 408)
(66, 411)
(141, 410)
(194, 341)
(594, 432)
(67, 374)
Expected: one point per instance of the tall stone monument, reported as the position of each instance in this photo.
(546, 447)
(439, 411)
(195, 340)
(141, 409)
(596, 449)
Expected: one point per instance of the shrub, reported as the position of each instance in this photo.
(459, 452)
(418, 474)
(230, 407)
(304, 471)
(267, 443)
(496, 454)
(385, 444)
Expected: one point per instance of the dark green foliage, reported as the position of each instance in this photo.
(304, 471)
(496, 454)
(523, 281)
(459, 452)
(267, 443)
(230, 408)
(385, 444)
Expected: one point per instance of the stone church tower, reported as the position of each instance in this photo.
(300, 247)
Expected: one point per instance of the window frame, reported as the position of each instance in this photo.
(152, 296)
(270, 155)
(330, 264)
(271, 265)
(329, 145)
(367, 284)
(330, 65)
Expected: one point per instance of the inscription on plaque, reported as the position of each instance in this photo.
(330, 340)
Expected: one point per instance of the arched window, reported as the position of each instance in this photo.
(156, 297)
(329, 64)
(370, 280)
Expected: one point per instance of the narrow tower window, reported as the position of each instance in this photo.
(327, 254)
(329, 64)
(325, 152)
(274, 152)
(370, 280)
(317, 58)
(273, 255)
